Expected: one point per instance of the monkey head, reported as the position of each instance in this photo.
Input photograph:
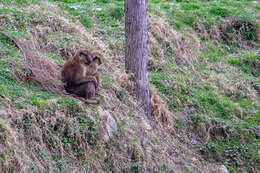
(97, 57)
(84, 56)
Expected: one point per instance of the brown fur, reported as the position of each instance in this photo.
(80, 75)
(73, 72)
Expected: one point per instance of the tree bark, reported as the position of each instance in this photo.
(136, 52)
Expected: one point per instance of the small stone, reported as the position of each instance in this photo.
(223, 169)
(108, 125)
(146, 125)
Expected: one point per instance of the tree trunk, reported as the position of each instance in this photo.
(136, 53)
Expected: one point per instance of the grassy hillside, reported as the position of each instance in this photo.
(204, 69)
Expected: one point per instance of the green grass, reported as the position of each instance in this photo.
(20, 3)
(108, 16)
(195, 14)
(200, 95)
(71, 105)
(248, 62)
(23, 93)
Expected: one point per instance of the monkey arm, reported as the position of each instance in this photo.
(98, 79)
(85, 79)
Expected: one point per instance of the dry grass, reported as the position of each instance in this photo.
(164, 40)
(127, 82)
(48, 38)
(42, 70)
(232, 31)
(239, 30)
(160, 112)
(233, 88)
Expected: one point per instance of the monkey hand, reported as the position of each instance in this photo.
(95, 82)
(87, 79)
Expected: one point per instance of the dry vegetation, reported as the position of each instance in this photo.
(167, 42)
(42, 130)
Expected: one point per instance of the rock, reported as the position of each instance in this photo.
(107, 126)
(223, 169)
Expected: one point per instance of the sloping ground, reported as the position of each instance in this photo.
(43, 131)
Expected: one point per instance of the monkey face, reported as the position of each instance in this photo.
(97, 57)
(98, 60)
(85, 57)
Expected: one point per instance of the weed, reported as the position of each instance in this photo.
(70, 103)
(120, 94)
(223, 12)
(197, 118)
(86, 122)
(249, 63)
(117, 13)
(3, 155)
(189, 6)
(104, 1)
(86, 21)
(136, 168)
(130, 113)
(106, 79)
(162, 166)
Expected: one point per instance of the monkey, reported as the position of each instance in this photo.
(74, 70)
(82, 82)
(89, 87)
(93, 67)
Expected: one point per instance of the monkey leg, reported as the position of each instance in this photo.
(98, 81)
(86, 79)
(86, 90)
(90, 92)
